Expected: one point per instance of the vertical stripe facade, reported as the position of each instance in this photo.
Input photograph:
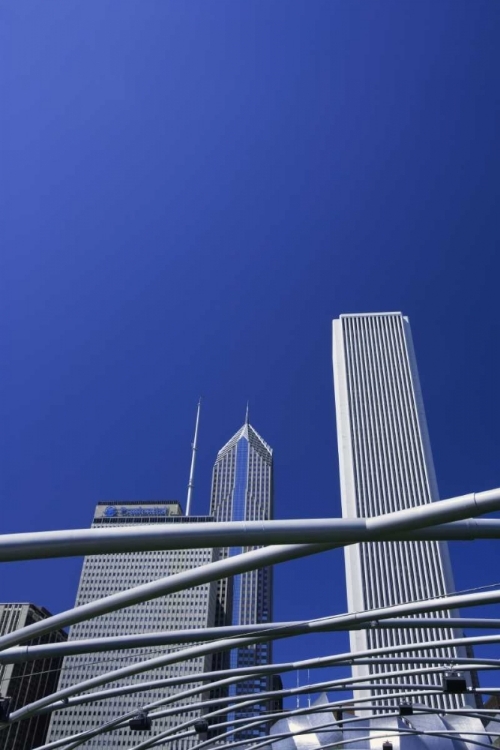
(386, 465)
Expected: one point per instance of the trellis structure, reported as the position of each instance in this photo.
(285, 540)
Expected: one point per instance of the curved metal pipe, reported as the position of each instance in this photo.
(393, 523)
(409, 522)
(226, 644)
(348, 621)
(243, 673)
(21, 654)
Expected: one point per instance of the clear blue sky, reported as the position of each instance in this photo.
(191, 191)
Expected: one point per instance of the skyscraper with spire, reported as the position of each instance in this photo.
(242, 490)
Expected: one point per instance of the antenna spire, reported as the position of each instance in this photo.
(246, 414)
(194, 446)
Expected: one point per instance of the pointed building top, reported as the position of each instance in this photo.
(250, 434)
(246, 415)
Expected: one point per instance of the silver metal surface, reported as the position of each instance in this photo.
(439, 512)
(79, 542)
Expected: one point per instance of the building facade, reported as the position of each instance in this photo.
(29, 681)
(242, 489)
(386, 465)
(103, 575)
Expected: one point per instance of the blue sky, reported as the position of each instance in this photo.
(191, 192)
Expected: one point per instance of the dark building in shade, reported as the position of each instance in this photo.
(242, 490)
(275, 704)
(27, 682)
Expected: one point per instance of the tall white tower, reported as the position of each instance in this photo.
(386, 465)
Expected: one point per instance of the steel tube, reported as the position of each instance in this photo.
(241, 701)
(155, 740)
(158, 739)
(165, 701)
(338, 684)
(373, 618)
(403, 520)
(20, 654)
(80, 542)
(222, 645)
(242, 673)
(161, 587)
(237, 675)
(174, 732)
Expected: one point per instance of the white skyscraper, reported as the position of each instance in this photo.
(103, 575)
(386, 465)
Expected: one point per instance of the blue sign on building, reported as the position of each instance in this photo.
(112, 511)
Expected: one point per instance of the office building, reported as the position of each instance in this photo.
(103, 575)
(386, 465)
(242, 490)
(29, 681)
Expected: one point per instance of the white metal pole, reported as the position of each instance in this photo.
(194, 446)
(439, 512)
(21, 654)
(80, 542)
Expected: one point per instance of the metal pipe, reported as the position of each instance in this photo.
(243, 673)
(79, 542)
(168, 699)
(331, 726)
(174, 730)
(222, 645)
(237, 675)
(21, 654)
(161, 587)
(137, 668)
(339, 684)
(118, 722)
(242, 702)
(155, 741)
(275, 715)
(439, 512)
(383, 617)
